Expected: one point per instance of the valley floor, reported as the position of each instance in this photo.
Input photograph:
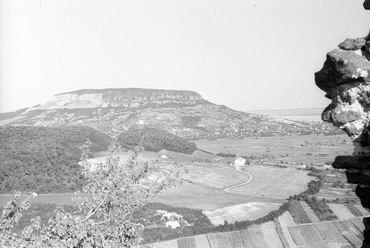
(283, 232)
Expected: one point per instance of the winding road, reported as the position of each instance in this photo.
(239, 184)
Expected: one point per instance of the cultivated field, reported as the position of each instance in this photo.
(310, 213)
(300, 149)
(280, 233)
(341, 211)
(246, 211)
(274, 182)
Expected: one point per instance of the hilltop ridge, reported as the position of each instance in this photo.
(183, 113)
(123, 98)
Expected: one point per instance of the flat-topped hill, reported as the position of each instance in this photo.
(123, 98)
(183, 113)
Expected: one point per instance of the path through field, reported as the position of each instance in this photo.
(239, 184)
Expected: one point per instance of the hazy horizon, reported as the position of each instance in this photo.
(243, 54)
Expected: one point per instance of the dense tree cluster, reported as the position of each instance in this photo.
(155, 139)
(44, 159)
(226, 155)
(102, 220)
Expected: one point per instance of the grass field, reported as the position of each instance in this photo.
(274, 182)
(246, 211)
(296, 147)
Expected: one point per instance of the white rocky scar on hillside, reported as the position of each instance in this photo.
(126, 98)
(345, 78)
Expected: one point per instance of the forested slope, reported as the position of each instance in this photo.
(155, 139)
(44, 159)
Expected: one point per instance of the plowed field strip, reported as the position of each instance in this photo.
(341, 211)
(310, 213)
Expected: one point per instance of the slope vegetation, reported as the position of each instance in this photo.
(155, 139)
(44, 159)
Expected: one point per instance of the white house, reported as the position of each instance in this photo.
(240, 161)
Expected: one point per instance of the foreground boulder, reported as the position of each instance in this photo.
(345, 78)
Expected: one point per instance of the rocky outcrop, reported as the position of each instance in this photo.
(345, 77)
(130, 98)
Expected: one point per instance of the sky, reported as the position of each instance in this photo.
(245, 54)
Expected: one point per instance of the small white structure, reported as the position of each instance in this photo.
(173, 224)
(92, 164)
(303, 166)
(164, 156)
(239, 161)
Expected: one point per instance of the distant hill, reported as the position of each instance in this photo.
(183, 113)
(43, 159)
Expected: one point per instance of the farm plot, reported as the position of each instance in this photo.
(257, 238)
(351, 207)
(308, 236)
(227, 240)
(284, 235)
(353, 239)
(222, 240)
(298, 214)
(362, 209)
(354, 228)
(167, 244)
(341, 211)
(346, 227)
(286, 219)
(330, 233)
(246, 238)
(270, 235)
(273, 182)
(186, 243)
(201, 241)
(358, 223)
(246, 211)
(311, 215)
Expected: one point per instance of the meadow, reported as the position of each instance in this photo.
(305, 149)
(208, 175)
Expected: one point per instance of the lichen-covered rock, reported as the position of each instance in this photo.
(342, 67)
(367, 4)
(352, 44)
(345, 77)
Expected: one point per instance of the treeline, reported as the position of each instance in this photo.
(155, 139)
(152, 235)
(226, 155)
(44, 210)
(45, 159)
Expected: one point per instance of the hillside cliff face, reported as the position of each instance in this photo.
(345, 77)
(123, 98)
